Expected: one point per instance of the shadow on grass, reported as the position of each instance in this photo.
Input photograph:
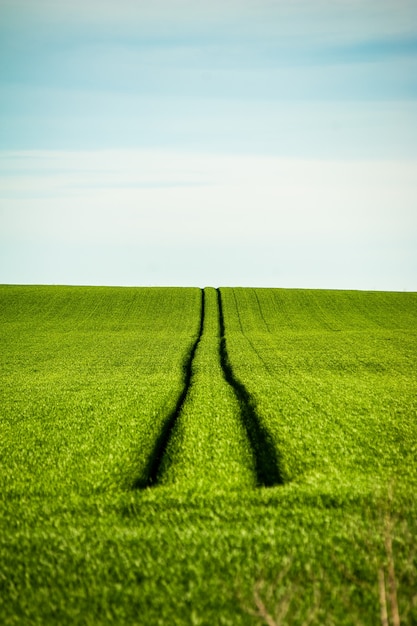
(267, 464)
(151, 471)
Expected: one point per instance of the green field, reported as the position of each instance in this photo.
(184, 456)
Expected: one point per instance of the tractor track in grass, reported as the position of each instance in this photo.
(266, 462)
(155, 458)
(267, 466)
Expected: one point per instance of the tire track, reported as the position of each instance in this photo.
(267, 466)
(266, 462)
(155, 458)
(260, 310)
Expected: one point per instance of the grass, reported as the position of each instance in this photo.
(87, 374)
(335, 385)
(89, 379)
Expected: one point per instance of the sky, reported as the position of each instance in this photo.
(244, 142)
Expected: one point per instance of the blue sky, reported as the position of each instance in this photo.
(249, 142)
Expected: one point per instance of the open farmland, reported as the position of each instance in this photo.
(186, 456)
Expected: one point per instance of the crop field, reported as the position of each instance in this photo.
(228, 456)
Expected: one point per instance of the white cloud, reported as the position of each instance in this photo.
(129, 197)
